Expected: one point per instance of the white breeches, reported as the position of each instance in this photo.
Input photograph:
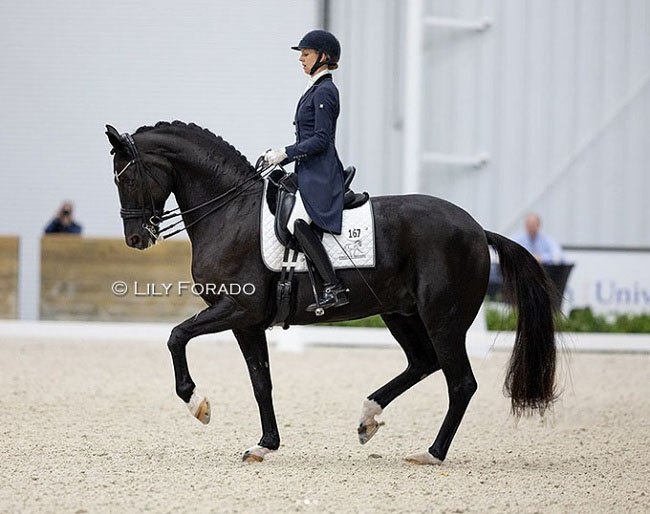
(298, 213)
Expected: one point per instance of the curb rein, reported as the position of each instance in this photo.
(152, 217)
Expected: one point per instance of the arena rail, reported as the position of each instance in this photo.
(9, 255)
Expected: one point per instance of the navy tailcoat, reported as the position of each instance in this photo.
(319, 170)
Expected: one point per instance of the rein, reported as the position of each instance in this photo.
(152, 218)
(236, 190)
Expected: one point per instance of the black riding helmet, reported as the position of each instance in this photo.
(325, 43)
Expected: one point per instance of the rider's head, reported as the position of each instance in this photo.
(318, 48)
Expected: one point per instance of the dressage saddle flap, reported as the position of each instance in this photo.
(285, 203)
(279, 180)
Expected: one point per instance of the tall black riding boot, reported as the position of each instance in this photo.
(334, 292)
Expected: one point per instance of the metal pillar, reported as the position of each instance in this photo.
(413, 157)
(413, 95)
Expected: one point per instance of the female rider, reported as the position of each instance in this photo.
(319, 201)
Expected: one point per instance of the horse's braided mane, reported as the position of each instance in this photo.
(226, 148)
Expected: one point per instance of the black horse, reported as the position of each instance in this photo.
(430, 278)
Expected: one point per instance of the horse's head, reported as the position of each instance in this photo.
(144, 182)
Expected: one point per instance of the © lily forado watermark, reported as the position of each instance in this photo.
(180, 288)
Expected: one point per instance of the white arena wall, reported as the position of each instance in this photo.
(70, 67)
(504, 107)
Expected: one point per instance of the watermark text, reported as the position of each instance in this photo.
(180, 288)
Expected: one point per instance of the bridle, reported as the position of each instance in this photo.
(152, 217)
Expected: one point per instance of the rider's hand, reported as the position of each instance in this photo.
(275, 156)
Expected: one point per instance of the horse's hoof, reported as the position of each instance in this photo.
(422, 459)
(368, 425)
(255, 454)
(368, 429)
(251, 458)
(199, 407)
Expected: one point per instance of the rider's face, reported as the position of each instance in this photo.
(308, 58)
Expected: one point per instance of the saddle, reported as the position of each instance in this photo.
(281, 198)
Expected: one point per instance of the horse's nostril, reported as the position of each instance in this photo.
(134, 239)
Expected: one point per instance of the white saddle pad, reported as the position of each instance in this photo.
(354, 247)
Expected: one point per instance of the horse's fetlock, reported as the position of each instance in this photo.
(184, 391)
(270, 442)
(437, 453)
(370, 409)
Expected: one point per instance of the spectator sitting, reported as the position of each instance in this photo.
(63, 222)
(544, 248)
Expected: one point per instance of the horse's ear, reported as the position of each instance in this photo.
(114, 138)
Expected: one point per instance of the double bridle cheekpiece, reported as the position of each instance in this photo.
(152, 217)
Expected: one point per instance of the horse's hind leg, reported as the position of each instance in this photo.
(412, 336)
(461, 386)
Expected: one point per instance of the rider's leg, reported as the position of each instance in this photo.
(297, 213)
(334, 292)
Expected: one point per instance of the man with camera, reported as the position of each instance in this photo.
(63, 222)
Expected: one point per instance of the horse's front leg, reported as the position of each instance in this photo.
(212, 319)
(252, 342)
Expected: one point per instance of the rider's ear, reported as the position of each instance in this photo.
(116, 141)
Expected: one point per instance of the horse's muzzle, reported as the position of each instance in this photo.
(134, 240)
(139, 241)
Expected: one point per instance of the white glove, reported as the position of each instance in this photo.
(275, 156)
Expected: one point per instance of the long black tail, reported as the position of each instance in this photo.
(530, 380)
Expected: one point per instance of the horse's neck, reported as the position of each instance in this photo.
(230, 220)
(225, 242)
(229, 215)
(199, 183)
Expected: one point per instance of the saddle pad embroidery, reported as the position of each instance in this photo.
(357, 240)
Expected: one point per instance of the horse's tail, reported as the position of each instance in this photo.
(530, 379)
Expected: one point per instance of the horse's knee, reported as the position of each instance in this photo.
(177, 340)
